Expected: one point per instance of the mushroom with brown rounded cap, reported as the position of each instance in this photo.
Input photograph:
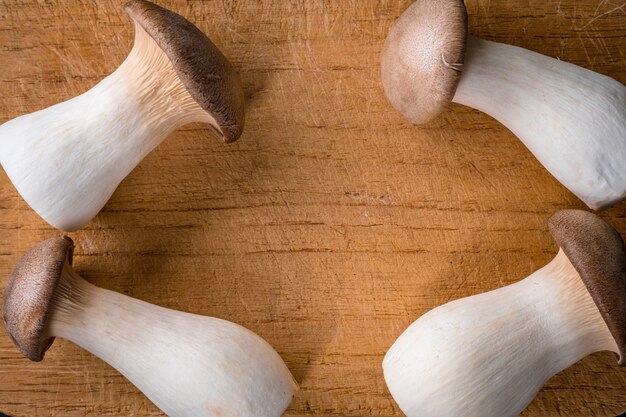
(571, 119)
(489, 354)
(67, 160)
(186, 364)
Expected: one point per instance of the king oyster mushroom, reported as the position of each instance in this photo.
(67, 160)
(186, 364)
(489, 354)
(573, 120)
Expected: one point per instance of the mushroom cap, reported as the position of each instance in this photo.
(597, 252)
(422, 58)
(202, 68)
(29, 292)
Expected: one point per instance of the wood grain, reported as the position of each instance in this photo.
(330, 225)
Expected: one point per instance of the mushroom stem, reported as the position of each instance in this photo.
(93, 141)
(489, 354)
(186, 364)
(570, 118)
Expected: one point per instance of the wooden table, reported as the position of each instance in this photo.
(330, 225)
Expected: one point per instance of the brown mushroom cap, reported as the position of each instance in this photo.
(597, 252)
(29, 293)
(202, 68)
(422, 58)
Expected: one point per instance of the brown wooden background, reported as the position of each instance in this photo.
(331, 225)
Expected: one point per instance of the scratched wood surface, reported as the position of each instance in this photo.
(331, 225)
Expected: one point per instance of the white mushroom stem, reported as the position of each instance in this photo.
(67, 160)
(186, 364)
(572, 119)
(488, 355)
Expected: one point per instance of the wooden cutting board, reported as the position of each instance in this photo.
(330, 225)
